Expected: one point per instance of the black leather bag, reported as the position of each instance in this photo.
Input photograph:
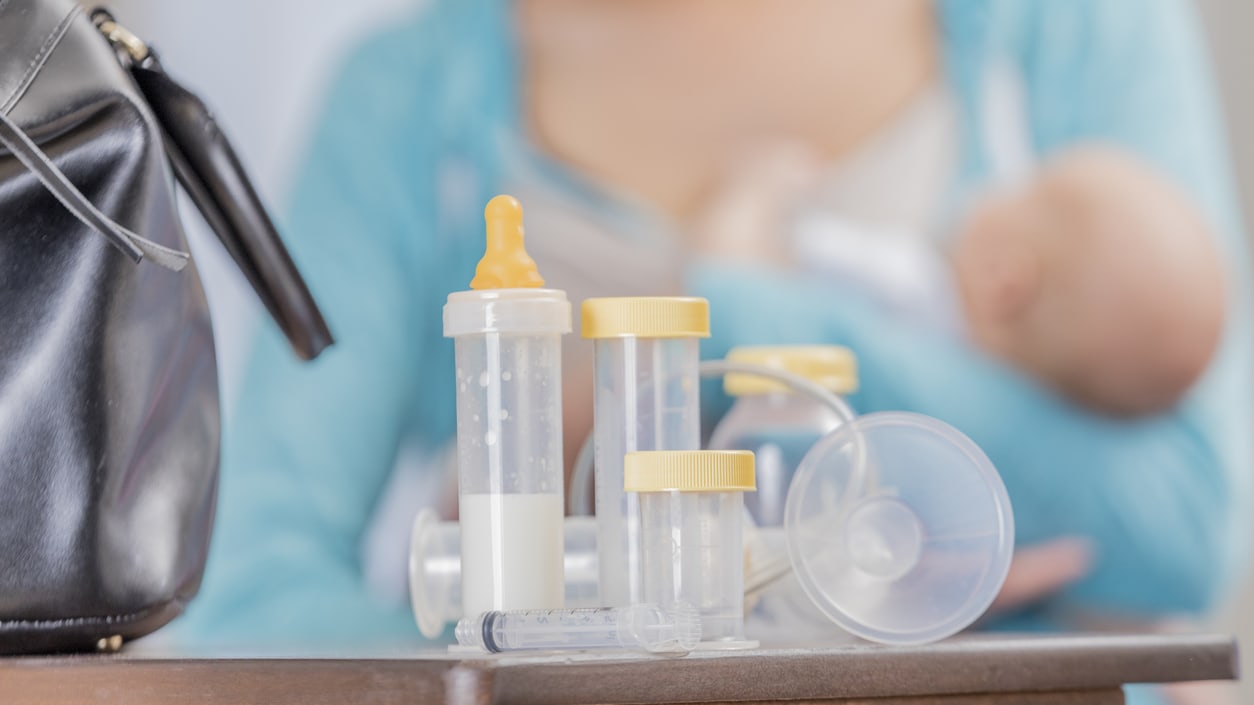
(109, 420)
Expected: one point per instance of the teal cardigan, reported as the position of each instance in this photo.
(383, 238)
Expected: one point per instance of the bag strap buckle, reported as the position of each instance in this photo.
(121, 37)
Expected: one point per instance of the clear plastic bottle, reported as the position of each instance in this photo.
(507, 347)
(691, 508)
(777, 424)
(646, 398)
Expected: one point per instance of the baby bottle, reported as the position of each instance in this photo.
(507, 341)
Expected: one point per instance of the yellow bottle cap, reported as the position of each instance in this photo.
(505, 263)
(832, 367)
(646, 317)
(689, 471)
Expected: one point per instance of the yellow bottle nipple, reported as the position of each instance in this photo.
(505, 263)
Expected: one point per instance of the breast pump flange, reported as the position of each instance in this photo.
(899, 528)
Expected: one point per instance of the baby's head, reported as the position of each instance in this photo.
(1098, 277)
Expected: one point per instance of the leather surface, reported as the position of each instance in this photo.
(109, 419)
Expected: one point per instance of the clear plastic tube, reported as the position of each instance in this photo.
(691, 505)
(647, 627)
(646, 398)
(692, 552)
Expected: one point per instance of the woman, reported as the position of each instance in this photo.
(615, 122)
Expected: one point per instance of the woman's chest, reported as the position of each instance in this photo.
(660, 111)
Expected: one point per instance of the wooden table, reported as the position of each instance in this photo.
(980, 670)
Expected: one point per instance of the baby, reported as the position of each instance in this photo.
(1097, 277)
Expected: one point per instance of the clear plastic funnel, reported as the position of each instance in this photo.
(899, 528)
(435, 569)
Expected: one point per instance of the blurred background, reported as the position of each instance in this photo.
(263, 66)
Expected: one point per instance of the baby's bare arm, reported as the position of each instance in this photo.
(1100, 277)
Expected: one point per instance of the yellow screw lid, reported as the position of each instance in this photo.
(505, 263)
(646, 317)
(689, 471)
(833, 367)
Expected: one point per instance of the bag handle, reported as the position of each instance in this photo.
(210, 172)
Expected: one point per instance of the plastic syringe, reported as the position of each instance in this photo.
(647, 627)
